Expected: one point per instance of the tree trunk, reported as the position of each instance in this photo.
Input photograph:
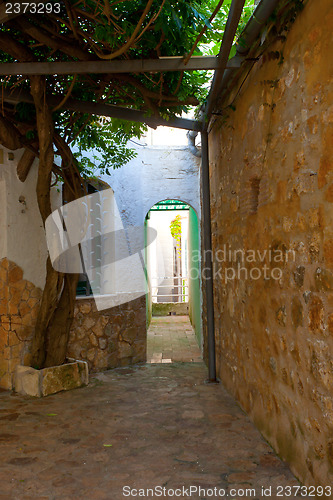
(56, 312)
(58, 331)
(50, 297)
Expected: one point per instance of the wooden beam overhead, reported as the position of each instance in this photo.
(103, 109)
(235, 12)
(107, 67)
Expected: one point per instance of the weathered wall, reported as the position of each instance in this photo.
(19, 304)
(157, 173)
(271, 167)
(109, 338)
(105, 339)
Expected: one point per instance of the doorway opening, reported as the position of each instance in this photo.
(173, 277)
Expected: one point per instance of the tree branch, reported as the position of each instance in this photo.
(16, 49)
(154, 95)
(24, 165)
(131, 40)
(60, 105)
(45, 129)
(217, 8)
(10, 137)
(41, 36)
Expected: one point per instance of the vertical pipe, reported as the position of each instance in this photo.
(207, 258)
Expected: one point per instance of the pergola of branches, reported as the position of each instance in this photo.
(88, 32)
(91, 30)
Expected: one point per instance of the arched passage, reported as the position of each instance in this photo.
(173, 277)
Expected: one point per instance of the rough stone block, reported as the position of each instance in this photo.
(125, 349)
(27, 380)
(296, 312)
(103, 343)
(31, 382)
(4, 263)
(64, 377)
(328, 252)
(98, 329)
(15, 273)
(85, 307)
(88, 323)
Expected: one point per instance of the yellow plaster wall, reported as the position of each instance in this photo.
(274, 337)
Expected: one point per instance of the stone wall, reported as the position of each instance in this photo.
(106, 339)
(109, 338)
(271, 161)
(19, 303)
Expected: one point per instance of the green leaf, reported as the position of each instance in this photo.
(233, 51)
(177, 20)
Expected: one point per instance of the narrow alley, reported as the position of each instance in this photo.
(166, 221)
(171, 339)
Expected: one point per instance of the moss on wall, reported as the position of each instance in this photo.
(167, 308)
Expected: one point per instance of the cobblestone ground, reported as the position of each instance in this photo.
(141, 427)
(170, 339)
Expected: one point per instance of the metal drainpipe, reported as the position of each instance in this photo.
(264, 10)
(207, 239)
(251, 31)
(207, 260)
(191, 135)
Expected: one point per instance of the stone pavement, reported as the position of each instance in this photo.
(141, 427)
(170, 339)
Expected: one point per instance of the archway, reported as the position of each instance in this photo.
(173, 277)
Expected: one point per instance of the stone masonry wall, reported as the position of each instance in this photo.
(271, 164)
(106, 339)
(19, 303)
(110, 338)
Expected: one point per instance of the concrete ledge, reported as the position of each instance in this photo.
(167, 308)
(31, 382)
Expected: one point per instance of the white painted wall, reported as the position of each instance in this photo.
(22, 233)
(156, 174)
